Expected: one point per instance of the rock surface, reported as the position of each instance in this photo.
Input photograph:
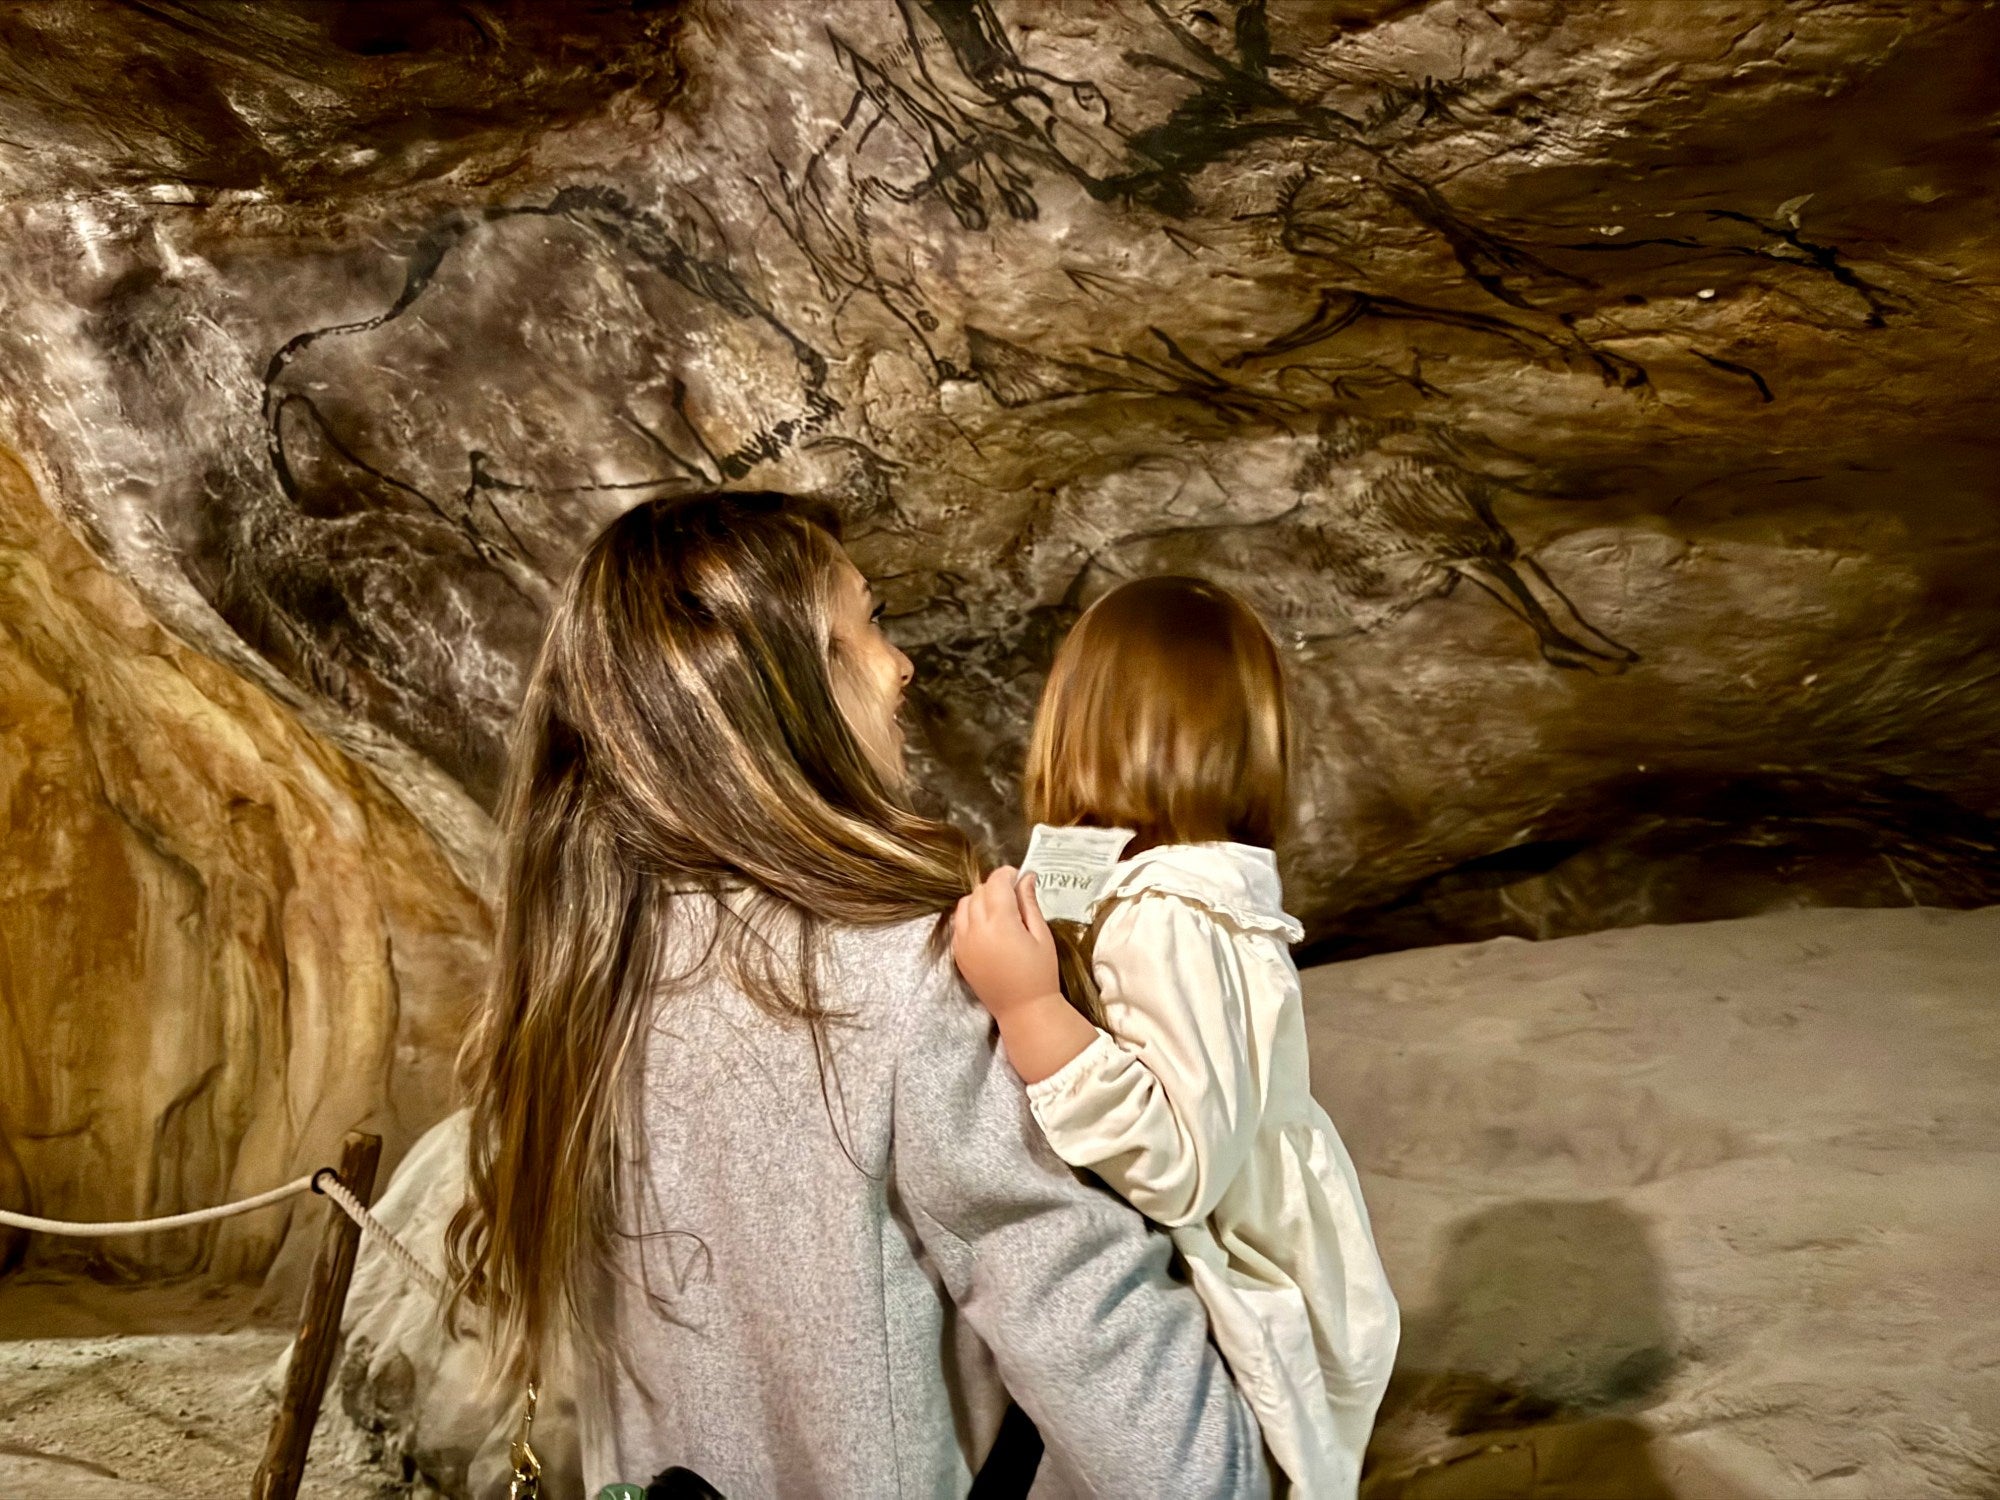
(1594, 395)
(225, 943)
(1708, 1207)
(1701, 1211)
(425, 1399)
(178, 1416)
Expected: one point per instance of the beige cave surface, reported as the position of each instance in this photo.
(1709, 1208)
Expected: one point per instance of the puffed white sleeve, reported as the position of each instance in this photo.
(1163, 1104)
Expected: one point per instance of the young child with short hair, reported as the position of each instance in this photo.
(1180, 1077)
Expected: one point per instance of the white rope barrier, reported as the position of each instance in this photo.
(149, 1226)
(325, 1181)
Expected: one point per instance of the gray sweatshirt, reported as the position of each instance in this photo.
(804, 1311)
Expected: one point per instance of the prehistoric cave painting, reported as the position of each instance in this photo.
(1237, 104)
(1776, 238)
(1388, 515)
(979, 122)
(438, 462)
(1016, 377)
(562, 351)
(545, 364)
(953, 114)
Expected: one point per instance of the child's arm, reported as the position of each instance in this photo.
(1166, 1110)
(1008, 956)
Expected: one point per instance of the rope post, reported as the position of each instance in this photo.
(319, 1330)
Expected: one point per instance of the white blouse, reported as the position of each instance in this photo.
(1195, 1105)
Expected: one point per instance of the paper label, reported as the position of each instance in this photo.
(1071, 867)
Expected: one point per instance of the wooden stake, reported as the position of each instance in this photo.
(319, 1329)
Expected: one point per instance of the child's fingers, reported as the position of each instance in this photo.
(996, 896)
(1030, 906)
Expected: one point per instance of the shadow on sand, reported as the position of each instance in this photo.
(1547, 1334)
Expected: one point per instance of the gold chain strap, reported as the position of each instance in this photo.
(527, 1481)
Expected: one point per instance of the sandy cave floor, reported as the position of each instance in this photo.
(1697, 1212)
(114, 1393)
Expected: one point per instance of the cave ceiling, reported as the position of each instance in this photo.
(1597, 398)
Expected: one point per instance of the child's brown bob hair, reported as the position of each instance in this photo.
(1166, 713)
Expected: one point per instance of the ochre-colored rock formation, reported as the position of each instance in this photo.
(224, 944)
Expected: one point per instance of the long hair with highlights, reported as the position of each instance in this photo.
(680, 733)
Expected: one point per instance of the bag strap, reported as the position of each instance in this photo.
(526, 1483)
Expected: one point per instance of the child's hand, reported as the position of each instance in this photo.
(1002, 946)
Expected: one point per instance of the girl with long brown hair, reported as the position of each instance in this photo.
(1182, 1080)
(743, 1154)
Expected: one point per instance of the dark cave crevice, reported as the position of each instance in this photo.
(1653, 850)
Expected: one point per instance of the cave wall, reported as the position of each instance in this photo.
(225, 944)
(1596, 397)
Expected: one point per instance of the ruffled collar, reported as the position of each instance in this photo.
(1236, 881)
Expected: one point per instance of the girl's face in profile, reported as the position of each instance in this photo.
(869, 673)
